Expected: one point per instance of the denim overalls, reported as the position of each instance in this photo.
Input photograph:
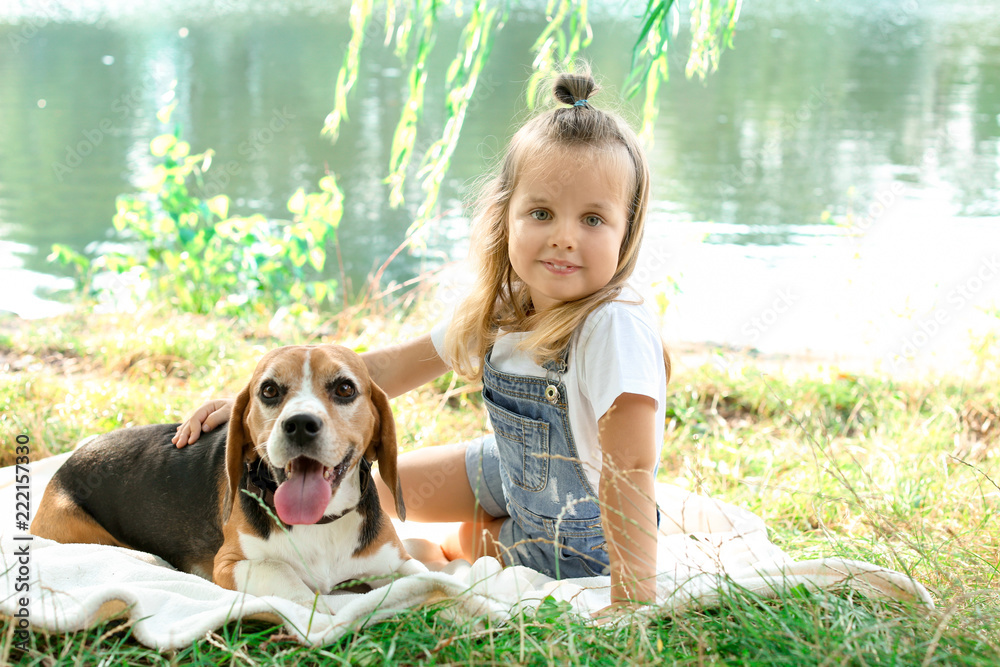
(555, 524)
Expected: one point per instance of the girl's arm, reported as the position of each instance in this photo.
(627, 497)
(399, 368)
(396, 369)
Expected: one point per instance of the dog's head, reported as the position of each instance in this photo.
(311, 413)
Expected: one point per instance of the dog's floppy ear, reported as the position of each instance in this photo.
(236, 442)
(383, 447)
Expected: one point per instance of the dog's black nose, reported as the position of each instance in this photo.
(302, 427)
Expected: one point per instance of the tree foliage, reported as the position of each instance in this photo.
(411, 29)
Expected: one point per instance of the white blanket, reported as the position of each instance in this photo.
(706, 547)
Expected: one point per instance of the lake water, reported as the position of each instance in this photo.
(833, 189)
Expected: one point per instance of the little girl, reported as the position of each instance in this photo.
(573, 369)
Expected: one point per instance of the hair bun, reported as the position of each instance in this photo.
(572, 89)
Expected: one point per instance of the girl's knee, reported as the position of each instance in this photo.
(456, 545)
(481, 538)
(468, 538)
(465, 543)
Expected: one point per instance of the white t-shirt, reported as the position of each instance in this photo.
(617, 351)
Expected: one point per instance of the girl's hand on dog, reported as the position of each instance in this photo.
(204, 419)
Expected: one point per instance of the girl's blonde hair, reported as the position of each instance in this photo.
(499, 298)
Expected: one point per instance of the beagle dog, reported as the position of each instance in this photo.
(281, 502)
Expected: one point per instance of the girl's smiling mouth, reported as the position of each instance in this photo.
(559, 268)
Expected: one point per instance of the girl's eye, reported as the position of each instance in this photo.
(592, 221)
(540, 214)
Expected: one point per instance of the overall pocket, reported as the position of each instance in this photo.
(581, 557)
(523, 445)
(583, 550)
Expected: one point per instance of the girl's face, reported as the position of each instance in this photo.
(567, 218)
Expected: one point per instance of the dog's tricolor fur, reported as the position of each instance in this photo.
(305, 407)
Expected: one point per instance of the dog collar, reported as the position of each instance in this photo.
(261, 483)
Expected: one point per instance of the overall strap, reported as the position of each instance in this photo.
(554, 369)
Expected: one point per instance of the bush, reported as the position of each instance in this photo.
(189, 253)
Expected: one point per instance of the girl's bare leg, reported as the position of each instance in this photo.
(474, 540)
(436, 489)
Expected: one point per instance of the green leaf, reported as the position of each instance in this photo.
(170, 260)
(163, 115)
(328, 184)
(551, 611)
(297, 204)
(360, 13)
(181, 149)
(67, 256)
(162, 144)
(321, 290)
(317, 257)
(219, 206)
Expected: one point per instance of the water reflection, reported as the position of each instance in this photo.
(823, 110)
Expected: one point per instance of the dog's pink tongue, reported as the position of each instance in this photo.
(303, 497)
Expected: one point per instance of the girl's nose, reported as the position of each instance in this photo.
(563, 235)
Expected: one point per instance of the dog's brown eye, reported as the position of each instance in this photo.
(344, 389)
(269, 390)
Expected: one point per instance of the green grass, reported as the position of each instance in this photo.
(898, 473)
(803, 629)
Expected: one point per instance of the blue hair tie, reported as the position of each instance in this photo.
(580, 103)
